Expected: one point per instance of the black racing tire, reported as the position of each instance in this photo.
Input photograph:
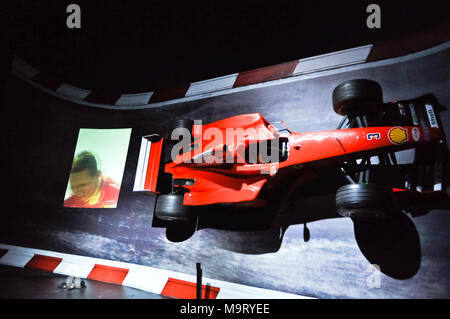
(357, 97)
(364, 201)
(180, 123)
(169, 207)
(178, 232)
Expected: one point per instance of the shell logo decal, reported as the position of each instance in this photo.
(398, 135)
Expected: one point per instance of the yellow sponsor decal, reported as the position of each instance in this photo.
(398, 135)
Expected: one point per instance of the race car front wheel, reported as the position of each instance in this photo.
(357, 97)
(364, 201)
(169, 207)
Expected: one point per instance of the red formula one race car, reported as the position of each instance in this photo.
(239, 160)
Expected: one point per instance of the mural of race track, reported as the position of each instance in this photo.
(332, 258)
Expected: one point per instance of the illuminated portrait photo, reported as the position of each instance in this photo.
(97, 168)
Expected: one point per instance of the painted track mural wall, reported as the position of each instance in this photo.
(261, 248)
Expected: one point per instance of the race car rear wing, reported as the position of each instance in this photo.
(417, 112)
(149, 160)
(428, 159)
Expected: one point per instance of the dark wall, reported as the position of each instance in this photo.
(174, 43)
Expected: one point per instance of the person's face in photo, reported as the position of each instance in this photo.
(83, 184)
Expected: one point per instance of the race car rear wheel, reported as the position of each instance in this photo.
(180, 123)
(169, 207)
(357, 97)
(178, 232)
(364, 201)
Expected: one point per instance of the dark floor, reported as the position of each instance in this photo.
(19, 283)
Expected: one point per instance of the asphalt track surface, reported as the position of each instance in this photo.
(336, 261)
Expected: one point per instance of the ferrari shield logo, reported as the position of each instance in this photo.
(398, 135)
